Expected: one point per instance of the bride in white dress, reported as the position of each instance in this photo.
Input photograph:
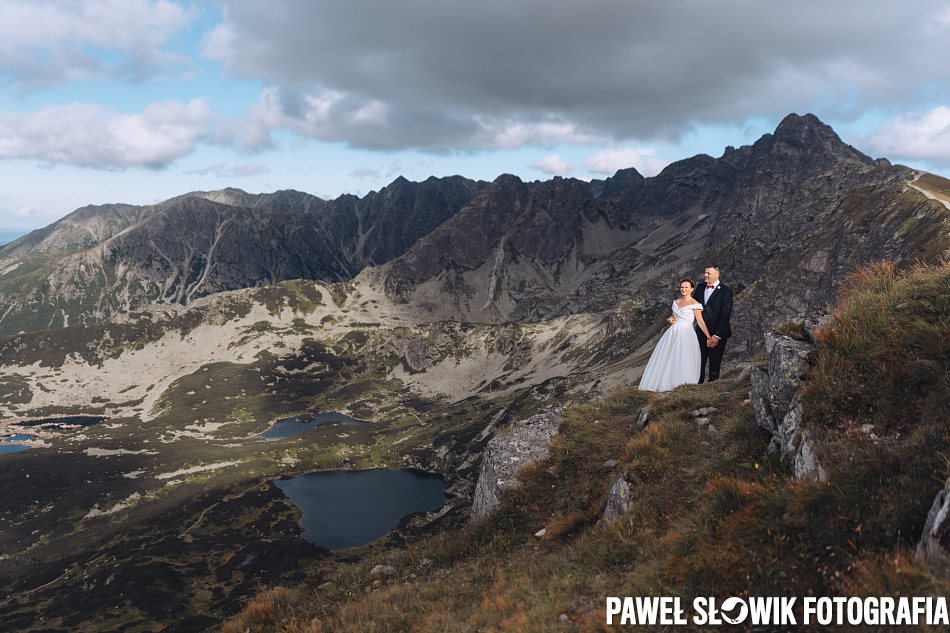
(676, 359)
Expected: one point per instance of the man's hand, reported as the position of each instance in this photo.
(712, 341)
(671, 320)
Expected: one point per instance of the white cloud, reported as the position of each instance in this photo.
(364, 173)
(921, 136)
(444, 76)
(553, 164)
(609, 161)
(335, 116)
(29, 212)
(512, 135)
(49, 41)
(221, 170)
(89, 135)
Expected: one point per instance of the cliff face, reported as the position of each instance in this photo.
(776, 400)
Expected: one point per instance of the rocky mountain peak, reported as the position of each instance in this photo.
(628, 179)
(805, 140)
(229, 195)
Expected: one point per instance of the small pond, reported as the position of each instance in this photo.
(288, 427)
(347, 508)
(6, 445)
(65, 421)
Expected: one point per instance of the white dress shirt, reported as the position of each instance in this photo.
(706, 294)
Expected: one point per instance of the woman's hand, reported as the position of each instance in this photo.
(671, 320)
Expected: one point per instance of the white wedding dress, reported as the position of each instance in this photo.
(676, 359)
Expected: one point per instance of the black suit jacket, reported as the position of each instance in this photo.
(717, 312)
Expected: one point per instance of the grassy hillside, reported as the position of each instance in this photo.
(714, 514)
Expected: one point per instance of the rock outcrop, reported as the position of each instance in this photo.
(776, 401)
(936, 537)
(523, 443)
(618, 501)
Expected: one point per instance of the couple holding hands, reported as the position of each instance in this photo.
(699, 333)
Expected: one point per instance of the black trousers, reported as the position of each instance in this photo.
(711, 355)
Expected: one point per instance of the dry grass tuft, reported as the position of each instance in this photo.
(884, 359)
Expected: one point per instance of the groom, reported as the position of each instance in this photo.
(717, 308)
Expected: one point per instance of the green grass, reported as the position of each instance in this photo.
(301, 296)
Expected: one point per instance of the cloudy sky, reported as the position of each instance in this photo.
(139, 100)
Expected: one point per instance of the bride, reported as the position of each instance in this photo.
(676, 359)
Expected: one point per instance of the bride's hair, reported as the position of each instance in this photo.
(687, 281)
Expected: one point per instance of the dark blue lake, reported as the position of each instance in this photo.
(347, 508)
(66, 421)
(7, 447)
(288, 427)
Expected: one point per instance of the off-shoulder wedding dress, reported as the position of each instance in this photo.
(676, 359)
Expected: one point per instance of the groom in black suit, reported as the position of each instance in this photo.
(717, 308)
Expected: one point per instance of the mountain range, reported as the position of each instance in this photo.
(436, 311)
(797, 208)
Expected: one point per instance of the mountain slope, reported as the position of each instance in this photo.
(710, 511)
(786, 218)
(101, 261)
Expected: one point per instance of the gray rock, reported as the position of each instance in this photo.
(523, 443)
(702, 421)
(540, 533)
(644, 418)
(695, 413)
(610, 463)
(776, 403)
(935, 539)
(744, 374)
(618, 501)
(806, 466)
(383, 570)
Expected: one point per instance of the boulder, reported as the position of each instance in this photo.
(936, 537)
(644, 418)
(523, 443)
(618, 501)
(383, 570)
(776, 400)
